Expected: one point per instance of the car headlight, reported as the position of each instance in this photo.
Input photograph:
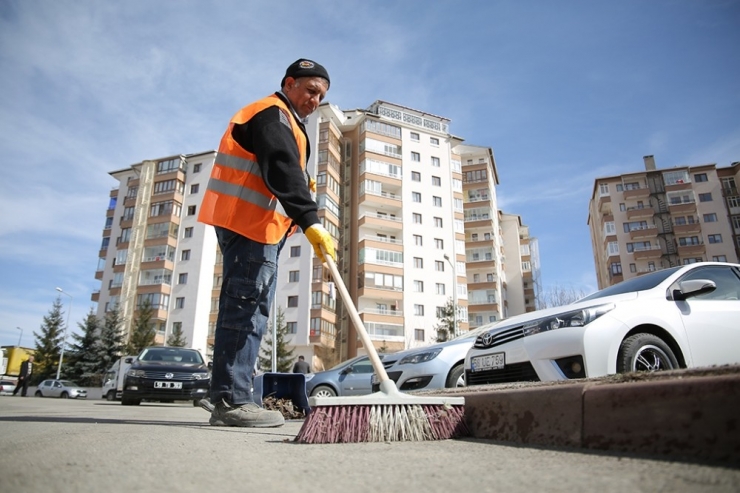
(420, 357)
(136, 373)
(200, 376)
(575, 318)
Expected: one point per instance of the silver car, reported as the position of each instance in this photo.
(438, 366)
(351, 377)
(60, 388)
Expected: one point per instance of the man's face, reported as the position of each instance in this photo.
(305, 93)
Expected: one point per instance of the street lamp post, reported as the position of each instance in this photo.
(66, 327)
(20, 337)
(454, 295)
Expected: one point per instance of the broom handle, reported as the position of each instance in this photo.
(371, 352)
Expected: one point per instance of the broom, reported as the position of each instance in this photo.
(385, 416)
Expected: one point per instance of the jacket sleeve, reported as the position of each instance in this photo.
(272, 141)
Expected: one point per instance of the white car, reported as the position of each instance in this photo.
(681, 317)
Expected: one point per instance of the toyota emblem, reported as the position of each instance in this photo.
(487, 339)
(169, 375)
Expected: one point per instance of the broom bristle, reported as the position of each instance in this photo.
(382, 423)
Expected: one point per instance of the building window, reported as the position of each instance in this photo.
(705, 197)
(436, 181)
(415, 156)
(418, 286)
(188, 233)
(194, 188)
(437, 201)
(603, 189)
(415, 176)
(292, 301)
(434, 141)
(633, 268)
(439, 266)
(416, 196)
(185, 255)
(417, 218)
(418, 262)
(438, 222)
(294, 276)
(415, 136)
(179, 302)
(419, 310)
(616, 268)
(439, 244)
(715, 238)
(440, 288)
(295, 251)
(699, 177)
(196, 168)
(435, 162)
(292, 327)
(418, 241)
(191, 210)
(622, 207)
(418, 334)
(719, 258)
(710, 218)
(182, 278)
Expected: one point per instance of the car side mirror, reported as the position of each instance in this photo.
(128, 360)
(346, 371)
(693, 287)
(210, 365)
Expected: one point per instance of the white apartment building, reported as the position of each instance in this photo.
(659, 218)
(412, 208)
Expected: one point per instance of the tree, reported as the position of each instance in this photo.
(558, 295)
(284, 355)
(446, 329)
(83, 366)
(48, 344)
(111, 344)
(143, 334)
(177, 338)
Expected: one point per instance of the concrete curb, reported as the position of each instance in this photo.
(687, 417)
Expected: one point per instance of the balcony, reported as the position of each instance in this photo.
(691, 250)
(382, 222)
(682, 207)
(636, 193)
(684, 229)
(373, 315)
(640, 212)
(381, 200)
(644, 232)
(678, 185)
(95, 296)
(653, 252)
(380, 293)
(604, 204)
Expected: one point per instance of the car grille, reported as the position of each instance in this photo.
(488, 340)
(160, 375)
(516, 372)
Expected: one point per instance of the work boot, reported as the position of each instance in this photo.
(248, 415)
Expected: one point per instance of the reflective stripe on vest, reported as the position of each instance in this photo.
(237, 197)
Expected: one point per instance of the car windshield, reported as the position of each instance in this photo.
(353, 360)
(171, 355)
(640, 283)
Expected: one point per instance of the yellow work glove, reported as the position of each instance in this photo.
(320, 238)
(312, 184)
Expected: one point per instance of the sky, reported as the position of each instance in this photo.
(563, 92)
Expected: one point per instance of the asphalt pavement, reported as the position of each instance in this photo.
(55, 445)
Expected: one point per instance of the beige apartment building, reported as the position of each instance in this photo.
(660, 218)
(414, 213)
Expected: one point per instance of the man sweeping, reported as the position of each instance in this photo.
(257, 195)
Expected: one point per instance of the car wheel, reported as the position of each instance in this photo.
(456, 377)
(38, 394)
(111, 395)
(127, 401)
(645, 352)
(323, 391)
(64, 395)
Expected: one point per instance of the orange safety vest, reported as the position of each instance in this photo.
(236, 197)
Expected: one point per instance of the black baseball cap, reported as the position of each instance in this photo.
(305, 68)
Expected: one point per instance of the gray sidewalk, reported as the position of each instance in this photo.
(55, 445)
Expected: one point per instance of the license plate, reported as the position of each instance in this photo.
(167, 385)
(487, 362)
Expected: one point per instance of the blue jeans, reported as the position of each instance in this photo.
(249, 274)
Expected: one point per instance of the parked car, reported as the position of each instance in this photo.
(438, 366)
(60, 388)
(681, 317)
(166, 374)
(6, 387)
(351, 377)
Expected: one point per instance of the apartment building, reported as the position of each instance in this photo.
(412, 208)
(660, 218)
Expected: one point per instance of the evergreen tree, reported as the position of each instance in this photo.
(177, 338)
(143, 334)
(111, 344)
(284, 355)
(446, 329)
(48, 344)
(83, 366)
